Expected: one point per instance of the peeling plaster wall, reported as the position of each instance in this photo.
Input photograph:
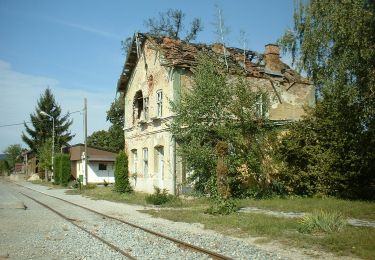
(287, 101)
(149, 77)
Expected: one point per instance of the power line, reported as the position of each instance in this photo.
(15, 124)
(69, 113)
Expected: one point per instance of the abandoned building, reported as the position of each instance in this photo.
(155, 71)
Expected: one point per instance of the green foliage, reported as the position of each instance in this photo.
(220, 107)
(57, 169)
(332, 151)
(13, 155)
(4, 168)
(41, 129)
(65, 173)
(44, 155)
(62, 174)
(122, 183)
(322, 222)
(222, 206)
(113, 138)
(159, 197)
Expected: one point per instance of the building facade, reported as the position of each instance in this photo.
(157, 69)
(100, 167)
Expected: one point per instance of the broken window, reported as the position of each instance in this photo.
(159, 103)
(137, 105)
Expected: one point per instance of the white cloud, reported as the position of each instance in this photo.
(19, 93)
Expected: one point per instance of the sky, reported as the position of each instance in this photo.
(74, 48)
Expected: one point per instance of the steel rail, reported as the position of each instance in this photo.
(78, 226)
(181, 243)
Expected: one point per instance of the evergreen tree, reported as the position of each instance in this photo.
(332, 151)
(41, 129)
(122, 183)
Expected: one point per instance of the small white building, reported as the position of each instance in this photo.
(101, 164)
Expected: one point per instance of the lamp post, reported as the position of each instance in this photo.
(53, 136)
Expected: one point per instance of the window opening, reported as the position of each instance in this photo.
(137, 105)
(102, 167)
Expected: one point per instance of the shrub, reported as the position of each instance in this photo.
(122, 183)
(159, 197)
(64, 169)
(322, 222)
(222, 206)
(57, 169)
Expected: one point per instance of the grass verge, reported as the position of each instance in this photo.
(348, 208)
(350, 241)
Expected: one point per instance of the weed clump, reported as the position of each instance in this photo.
(222, 206)
(322, 222)
(159, 197)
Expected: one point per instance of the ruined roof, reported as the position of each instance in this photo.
(180, 54)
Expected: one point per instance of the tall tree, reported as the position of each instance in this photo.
(171, 24)
(219, 111)
(13, 155)
(333, 149)
(41, 129)
(113, 138)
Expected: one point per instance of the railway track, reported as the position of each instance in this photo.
(127, 253)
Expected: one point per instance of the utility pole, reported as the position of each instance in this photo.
(86, 155)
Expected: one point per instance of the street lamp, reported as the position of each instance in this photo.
(53, 135)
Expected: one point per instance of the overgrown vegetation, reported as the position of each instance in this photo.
(332, 151)
(322, 222)
(350, 241)
(122, 183)
(62, 173)
(221, 109)
(159, 197)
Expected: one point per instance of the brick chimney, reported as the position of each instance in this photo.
(273, 64)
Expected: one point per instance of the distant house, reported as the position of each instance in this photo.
(156, 71)
(100, 164)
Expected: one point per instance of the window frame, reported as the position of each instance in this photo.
(145, 161)
(159, 103)
(102, 164)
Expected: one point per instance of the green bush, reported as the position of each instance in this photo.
(159, 197)
(122, 183)
(322, 222)
(222, 206)
(57, 169)
(64, 169)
